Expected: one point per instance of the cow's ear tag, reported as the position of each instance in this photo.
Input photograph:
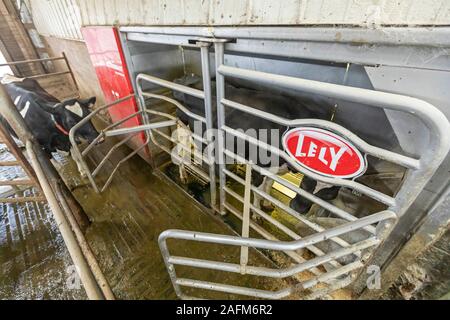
(76, 109)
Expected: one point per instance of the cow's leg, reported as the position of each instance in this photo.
(328, 194)
(299, 203)
(266, 204)
(303, 205)
(184, 138)
(262, 187)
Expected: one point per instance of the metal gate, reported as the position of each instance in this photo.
(152, 129)
(375, 226)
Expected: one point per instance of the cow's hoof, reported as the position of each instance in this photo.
(300, 205)
(267, 207)
(256, 218)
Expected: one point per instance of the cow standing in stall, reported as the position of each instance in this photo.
(49, 119)
(282, 106)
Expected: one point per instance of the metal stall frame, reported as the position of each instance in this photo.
(48, 75)
(419, 172)
(66, 210)
(150, 128)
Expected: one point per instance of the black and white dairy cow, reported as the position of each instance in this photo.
(49, 119)
(280, 105)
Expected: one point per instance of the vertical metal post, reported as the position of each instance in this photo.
(48, 177)
(246, 215)
(71, 73)
(137, 90)
(170, 267)
(220, 146)
(146, 121)
(206, 75)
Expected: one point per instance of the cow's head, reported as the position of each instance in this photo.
(69, 112)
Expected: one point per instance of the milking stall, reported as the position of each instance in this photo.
(225, 150)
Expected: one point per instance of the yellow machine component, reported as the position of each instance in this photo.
(294, 178)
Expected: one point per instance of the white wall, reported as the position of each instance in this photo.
(58, 18)
(63, 18)
(254, 12)
(4, 70)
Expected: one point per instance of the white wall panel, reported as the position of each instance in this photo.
(58, 18)
(63, 18)
(266, 12)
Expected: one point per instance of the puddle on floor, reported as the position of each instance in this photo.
(34, 262)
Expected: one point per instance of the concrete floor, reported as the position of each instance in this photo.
(34, 263)
(126, 222)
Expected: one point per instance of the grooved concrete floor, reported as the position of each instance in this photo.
(34, 263)
(126, 222)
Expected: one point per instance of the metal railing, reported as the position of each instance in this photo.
(207, 119)
(243, 268)
(80, 156)
(418, 173)
(152, 130)
(66, 210)
(47, 75)
(326, 266)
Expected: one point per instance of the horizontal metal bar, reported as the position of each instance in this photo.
(9, 163)
(327, 206)
(258, 229)
(275, 273)
(103, 132)
(176, 103)
(48, 75)
(30, 61)
(141, 128)
(280, 294)
(110, 152)
(418, 36)
(333, 181)
(161, 39)
(264, 294)
(17, 183)
(434, 119)
(361, 144)
(171, 85)
(316, 227)
(279, 225)
(332, 274)
(22, 199)
(169, 116)
(278, 245)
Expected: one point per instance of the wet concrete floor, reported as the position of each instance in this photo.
(126, 222)
(34, 263)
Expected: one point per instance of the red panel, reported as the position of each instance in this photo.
(107, 57)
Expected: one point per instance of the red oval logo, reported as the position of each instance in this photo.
(324, 152)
